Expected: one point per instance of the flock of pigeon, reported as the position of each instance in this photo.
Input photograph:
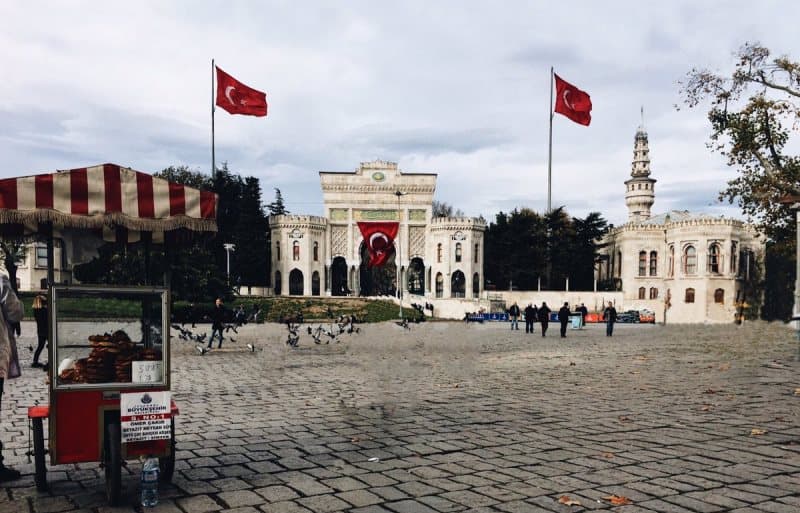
(190, 336)
(323, 333)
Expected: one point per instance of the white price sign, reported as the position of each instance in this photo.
(146, 372)
(145, 416)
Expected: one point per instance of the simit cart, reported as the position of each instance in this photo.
(109, 353)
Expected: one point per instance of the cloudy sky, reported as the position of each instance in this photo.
(458, 88)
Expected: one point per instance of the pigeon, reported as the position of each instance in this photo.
(202, 350)
(251, 347)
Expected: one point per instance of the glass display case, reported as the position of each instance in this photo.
(110, 337)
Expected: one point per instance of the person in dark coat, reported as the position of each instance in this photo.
(40, 316)
(544, 317)
(513, 313)
(563, 318)
(530, 317)
(217, 322)
(583, 311)
(610, 316)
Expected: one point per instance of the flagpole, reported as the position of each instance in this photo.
(213, 156)
(550, 144)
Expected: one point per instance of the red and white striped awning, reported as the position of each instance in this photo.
(106, 196)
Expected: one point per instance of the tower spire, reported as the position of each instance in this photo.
(640, 188)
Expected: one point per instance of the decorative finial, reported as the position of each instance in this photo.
(642, 110)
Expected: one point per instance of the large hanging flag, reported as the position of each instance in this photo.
(572, 102)
(237, 98)
(379, 237)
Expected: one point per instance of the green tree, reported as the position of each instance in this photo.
(754, 114)
(277, 207)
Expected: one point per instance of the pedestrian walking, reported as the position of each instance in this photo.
(40, 316)
(544, 317)
(530, 317)
(563, 318)
(610, 316)
(583, 311)
(217, 322)
(11, 310)
(513, 313)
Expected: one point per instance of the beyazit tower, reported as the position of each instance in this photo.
(687, 267)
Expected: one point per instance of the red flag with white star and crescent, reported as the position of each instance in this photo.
(237, 98)
(572, 102)
(379, 238)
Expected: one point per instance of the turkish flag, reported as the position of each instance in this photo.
(572, 102)
(378, 236)
(237, 98)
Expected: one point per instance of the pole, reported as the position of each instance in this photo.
(550, 144)
(213, 156)
(399, 254)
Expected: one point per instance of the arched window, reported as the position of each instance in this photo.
(296, 250)
(278, 250)
(316, 251)
(714, 258)
(654, 263)
(642, 292)
(689, 297)
(734, 254)
(643, 263)
(719, 296)
(477, 250)
(476, 285)
(439, 284)
(458, 285)
(439, 253)
(671, 262)
(458, 251)
(653, 293)
(690, 261)
(619, 264)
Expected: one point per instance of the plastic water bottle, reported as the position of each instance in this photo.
(150, 482)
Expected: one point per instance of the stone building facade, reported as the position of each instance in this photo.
(325, 256)
(686, 267)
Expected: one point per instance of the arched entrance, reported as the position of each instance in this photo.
(296, 283)
(458, 285)
(277, 283)
(339, 277)
(377, 281)
(416, 277)
(315, 284)
(476, 285)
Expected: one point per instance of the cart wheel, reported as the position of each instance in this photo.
(113, 463)
(166, 464)
(40, 477)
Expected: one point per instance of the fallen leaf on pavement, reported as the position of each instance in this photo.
(355, 440)
(797, 391)
(569, 502)
(618, 500)
(710, 391)
(725, 366)
(607, 455)
(706, 407)
(623, 418)
(757, 432)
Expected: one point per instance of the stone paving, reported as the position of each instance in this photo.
(447, 417)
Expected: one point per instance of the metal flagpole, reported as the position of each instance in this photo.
(550, 145)
(213, 157)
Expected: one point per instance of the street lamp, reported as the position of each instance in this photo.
(228, 248)
(399, 253)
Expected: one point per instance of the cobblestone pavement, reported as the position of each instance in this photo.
(448, 417)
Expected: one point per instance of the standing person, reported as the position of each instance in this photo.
(544, 317)
(40, 315)
(563, 318)
(530, 318)
(11, 310)
(513, 312)
(610, 316)
(217, 322)
(583, 310)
